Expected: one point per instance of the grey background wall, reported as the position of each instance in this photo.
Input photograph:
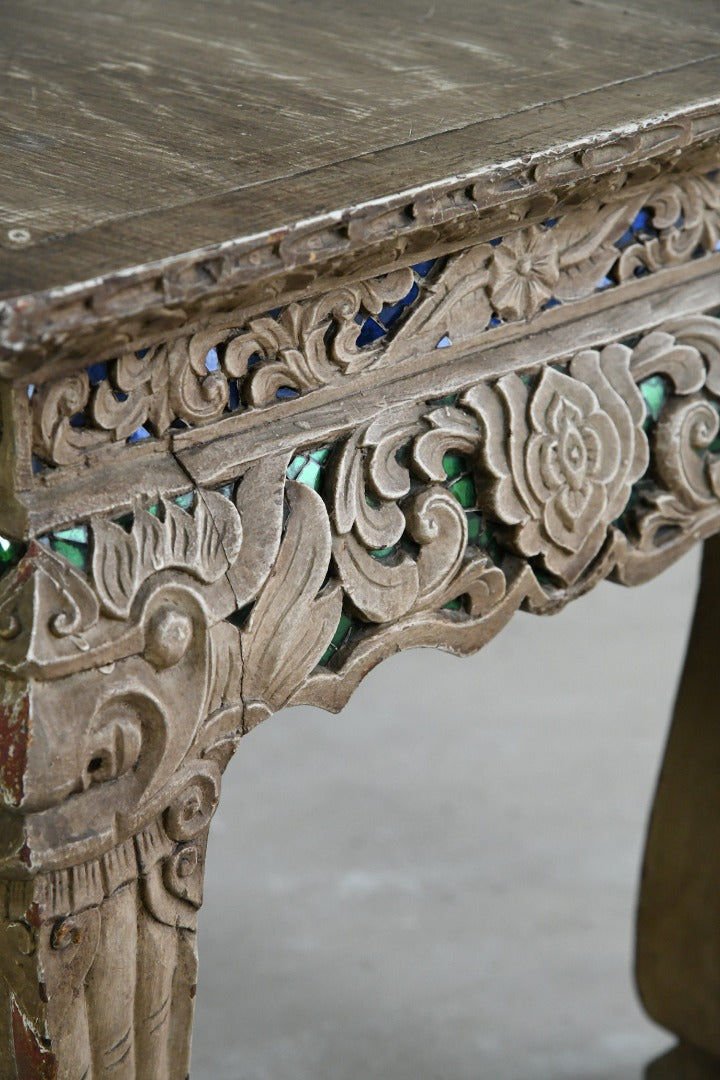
(439, 883)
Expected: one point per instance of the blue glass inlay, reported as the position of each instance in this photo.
(424, 268)
(212, 363)
(97, 373)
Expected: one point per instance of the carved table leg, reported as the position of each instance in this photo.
(684, 1063)
(104, 991)
(678, 947)
(114, 732)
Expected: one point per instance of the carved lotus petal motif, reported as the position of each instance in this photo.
(523, 273)
(563, 455)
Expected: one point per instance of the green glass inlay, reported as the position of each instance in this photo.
(74, 553)
(380, 553)
(493, 548)
(10, 550)
(474, 522)
(308, 468)
(543, 577)
(453, 465)
(72, 543)
(453, 605)
(339, 637)
(654, 392)
(186, 501)
(78, 534)
(464, 491)
(449, 399)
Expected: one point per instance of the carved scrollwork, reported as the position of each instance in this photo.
(635, 228)
(183, 625)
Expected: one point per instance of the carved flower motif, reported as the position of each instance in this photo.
(523, 273)
(564, 456)
(571, 458)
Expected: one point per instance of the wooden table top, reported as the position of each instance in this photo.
(132, 130)
(153, 156)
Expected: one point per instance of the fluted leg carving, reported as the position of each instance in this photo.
(107, 989)
(678, 949)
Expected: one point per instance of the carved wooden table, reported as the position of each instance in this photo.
(319, 341)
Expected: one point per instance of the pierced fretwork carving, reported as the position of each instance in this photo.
(136, 651)
(637, 227)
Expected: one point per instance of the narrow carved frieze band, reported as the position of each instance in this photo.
(639, 226)
(173, 630)
(452, 212)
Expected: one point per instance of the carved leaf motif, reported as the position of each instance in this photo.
(686, 428)
(116, 569)
(293, 621)
(660, 352)
(204, 544)
(260, 503)
(381, 590)
(377, 524)
(136, 387)
(483, 583)
(685, 211)
(451, 429)
(700, 333)
(313, 342)
(456, 306)
(586, 239)
(437, 522)
(386, 437)
(54, 404)
(196, 395)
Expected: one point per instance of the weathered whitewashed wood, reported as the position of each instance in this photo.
(188, 625)
(303, 364)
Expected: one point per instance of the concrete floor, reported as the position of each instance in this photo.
(439, 883)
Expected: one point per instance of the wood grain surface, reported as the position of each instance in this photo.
(134, 131)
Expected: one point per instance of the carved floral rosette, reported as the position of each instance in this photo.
(130, 673)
